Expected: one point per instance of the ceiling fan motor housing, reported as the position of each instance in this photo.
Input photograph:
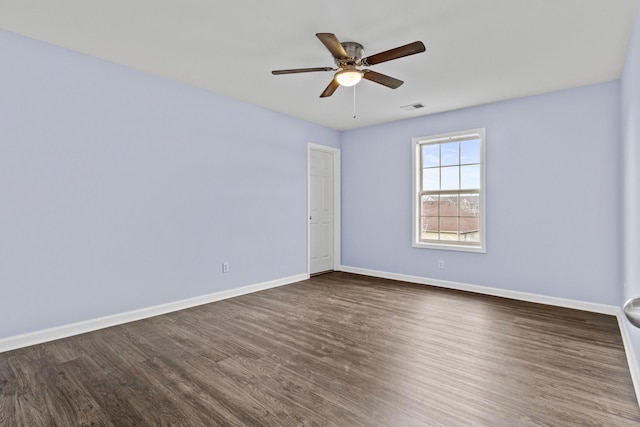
(354, 51)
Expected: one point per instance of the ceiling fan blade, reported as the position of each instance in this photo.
(301, 70)
(382, 79)
(398, 52)
(331, 42)
(330, 89)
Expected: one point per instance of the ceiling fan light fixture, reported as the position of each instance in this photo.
(348, 77)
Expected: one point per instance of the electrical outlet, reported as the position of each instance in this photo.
(441, 264)
(225, 267)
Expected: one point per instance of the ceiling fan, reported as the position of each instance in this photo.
(348, 56)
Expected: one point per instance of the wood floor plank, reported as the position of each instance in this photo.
(335, 350)
(67, 399)
(112, 392)
(202, 406)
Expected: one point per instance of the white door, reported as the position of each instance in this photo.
(321, 220)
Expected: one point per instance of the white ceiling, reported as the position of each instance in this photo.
(478, 51)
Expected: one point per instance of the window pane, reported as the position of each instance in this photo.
(429, 228)
(470, 204)
(431, 179)
(430, 206)
(430, 155)
(470, 229)
(470, 151)
(450, 178)
(470, 176)
(449, 205)
(450, 155)
(449, 229)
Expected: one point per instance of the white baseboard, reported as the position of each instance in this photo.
(632, 361)
(42, 336)
(505, 293)
(64, 331)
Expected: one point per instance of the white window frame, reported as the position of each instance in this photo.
(416, 144)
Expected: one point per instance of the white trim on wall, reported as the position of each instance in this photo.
(337, 209)
(64, 331)
(632, 360)
(505, 293)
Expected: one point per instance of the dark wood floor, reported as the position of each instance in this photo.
(338, 349)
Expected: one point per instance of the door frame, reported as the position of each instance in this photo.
(336, 204)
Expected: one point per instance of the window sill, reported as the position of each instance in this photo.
(449, 247)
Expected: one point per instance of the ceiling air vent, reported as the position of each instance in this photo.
(413, 106)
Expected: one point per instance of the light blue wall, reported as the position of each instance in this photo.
(552, 196)
(120, 190)
(630, 112)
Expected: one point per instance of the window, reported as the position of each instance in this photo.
(448, 196)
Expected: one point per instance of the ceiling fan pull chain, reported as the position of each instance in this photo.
(354, 102)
